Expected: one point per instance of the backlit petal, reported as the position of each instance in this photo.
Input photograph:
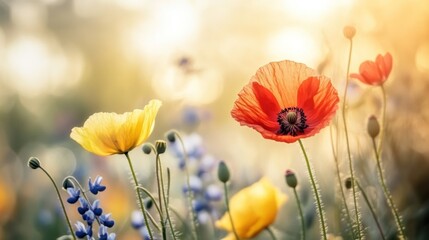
(253, 209)
(110, 133)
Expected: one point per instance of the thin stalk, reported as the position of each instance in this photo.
(158, 160)
(160, 194)
(188, 185)
(229, 211)
(337, 166)
(150, 196)
(270, 231)
(61, 201)
(387, 194)
(371, 209)
(316, 193)
(142, 207)
(348, 144)
(301, 215)
(383, 120)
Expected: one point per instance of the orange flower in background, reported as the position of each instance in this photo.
(286, 101)
(111, 133)
(253, 209)
(375, 73)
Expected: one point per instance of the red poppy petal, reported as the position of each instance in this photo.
(306, 92)
(370, 73)
(388, 60)
(319, 103)
(247, 111)
(266, 100)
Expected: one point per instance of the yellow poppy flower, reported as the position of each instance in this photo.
(111, 133)
(253, 209)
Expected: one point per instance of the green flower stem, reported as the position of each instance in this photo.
(387, 194)
(162, 189)
(229, 211)
(142, 207)
(190, 194)
(83, 192)
(358, 221)
(340, 183)
(301, 215)
(150, 196)
(61, 201)
(383, 120)
(270, 231)
(371, 209)
(316, 193)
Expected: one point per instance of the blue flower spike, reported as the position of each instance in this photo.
(96, 187)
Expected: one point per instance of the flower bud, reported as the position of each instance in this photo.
(171, 136)
(147, 149)
(373, 126)
(148, 203)
(67, 183)
(160, 146)
(349, 32)
(348, 182)
(223, 172)
(291, 179)
(33, 163)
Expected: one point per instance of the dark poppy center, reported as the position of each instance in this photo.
(292, 121)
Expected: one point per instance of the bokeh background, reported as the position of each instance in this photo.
(62, 60)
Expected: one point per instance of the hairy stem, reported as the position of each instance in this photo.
(316, 193)
(358, 221)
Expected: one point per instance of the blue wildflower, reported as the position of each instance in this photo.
(74, 195)
(213, 193)
(96, 187)
(89, 217)
(137, 221)
(83, 231)
(84, 206)
(96, 208)
(195, 184)
(103, 235)
(106, 221)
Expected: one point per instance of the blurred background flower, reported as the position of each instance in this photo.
(62, 60)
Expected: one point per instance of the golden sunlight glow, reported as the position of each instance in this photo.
(296, 44)
(37, 66)
(196, 87)
(313, 10)
(166, 28)
(422, 58)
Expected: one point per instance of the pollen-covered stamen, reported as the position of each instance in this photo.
(292, 121)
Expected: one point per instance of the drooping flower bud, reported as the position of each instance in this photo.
(33, 163)
(373, 126)
(223, 172)
(171, 136)
(348, 182)
(67, 183)
(291, 179)
(349, 32)
(147, 149)
(160, 146)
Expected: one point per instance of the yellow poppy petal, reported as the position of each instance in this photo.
(253, 209)
(111, 133)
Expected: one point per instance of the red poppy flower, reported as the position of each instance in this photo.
(286, 101)
(375, 73)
